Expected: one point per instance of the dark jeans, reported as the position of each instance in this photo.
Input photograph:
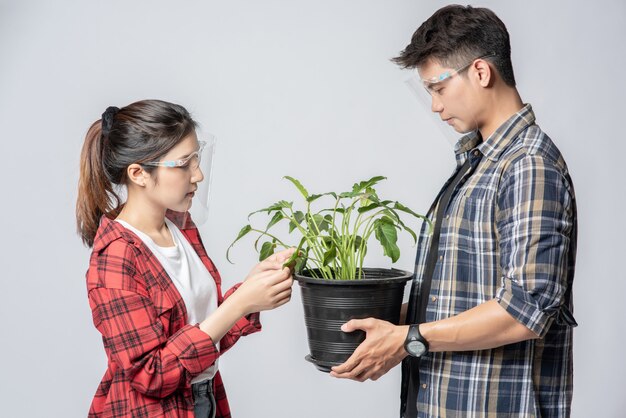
(203, 399)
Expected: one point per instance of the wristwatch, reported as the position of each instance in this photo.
(415, 344)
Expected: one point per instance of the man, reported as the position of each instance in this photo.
(489, 323)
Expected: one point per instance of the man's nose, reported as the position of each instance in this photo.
(436, 106)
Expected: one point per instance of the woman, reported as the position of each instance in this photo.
(154, 293)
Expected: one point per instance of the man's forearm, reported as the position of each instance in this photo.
(485, 326)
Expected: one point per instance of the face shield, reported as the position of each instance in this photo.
(445, 95)
(199, 203)
(197, 170)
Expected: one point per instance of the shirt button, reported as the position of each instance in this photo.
(476, 153)
(424, 385)
(447, 216)
(440, 257)
(434, 298)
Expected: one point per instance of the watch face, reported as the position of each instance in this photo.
(416, 348)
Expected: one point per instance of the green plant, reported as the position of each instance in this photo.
(334, 239)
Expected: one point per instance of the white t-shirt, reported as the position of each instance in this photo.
(191, 278)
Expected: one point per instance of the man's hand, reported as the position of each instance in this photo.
(382, 350)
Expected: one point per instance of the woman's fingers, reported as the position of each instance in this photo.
(282, 298)
(283, 285)
(285, 294)
(283, 255)
(274, 261)
(274, 277)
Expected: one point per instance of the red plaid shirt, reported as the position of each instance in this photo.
(152, 352)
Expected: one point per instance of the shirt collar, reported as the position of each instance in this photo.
(499, 140)
(109, 230)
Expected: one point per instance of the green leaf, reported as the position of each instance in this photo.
(299, 185)
(241, 234)
(396, 217)
(300, 264)
(350, 194)
(299, 217)
(278, 216)
(327, 241)
(387, 235)
(399, 206)
(314, 197)
(276, 206)
(321, 223)
(357, 245)
(267, 249)
(358, 241)
(297, 254)
(329, 255)
(369, 207)
(367, 184)
(318, 223)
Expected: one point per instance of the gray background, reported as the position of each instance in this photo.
(302, 88)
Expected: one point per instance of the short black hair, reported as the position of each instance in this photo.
(454, 35)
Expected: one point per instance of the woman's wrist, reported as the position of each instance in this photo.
(223, 318)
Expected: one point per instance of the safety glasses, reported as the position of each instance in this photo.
(433, 84)
(192, 161)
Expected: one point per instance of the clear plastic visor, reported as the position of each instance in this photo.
(446, 104)
(200, 202)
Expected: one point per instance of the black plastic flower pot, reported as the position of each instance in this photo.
(328, 304)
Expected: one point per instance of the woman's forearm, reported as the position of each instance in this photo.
(223, 318)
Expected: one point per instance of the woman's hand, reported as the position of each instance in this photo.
(268, 285)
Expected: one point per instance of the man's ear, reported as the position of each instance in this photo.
(137, 175)
(483, 72)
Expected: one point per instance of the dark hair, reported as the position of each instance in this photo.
(455, 35)
(140, 132)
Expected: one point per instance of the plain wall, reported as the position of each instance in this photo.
(301, 88)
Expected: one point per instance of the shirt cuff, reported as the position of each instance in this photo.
(194, 348)
(521, 305)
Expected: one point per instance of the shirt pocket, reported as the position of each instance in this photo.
(476, 230)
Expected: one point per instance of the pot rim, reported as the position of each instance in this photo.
(396, 276)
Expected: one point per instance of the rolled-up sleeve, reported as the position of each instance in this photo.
(535, 222)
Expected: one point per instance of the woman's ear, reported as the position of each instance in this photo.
(483, 73)
(137, 175)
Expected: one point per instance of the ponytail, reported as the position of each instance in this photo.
(95, 192)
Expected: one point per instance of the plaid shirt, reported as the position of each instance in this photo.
(509, 233)
(152, 352)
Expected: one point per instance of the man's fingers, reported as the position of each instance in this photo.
(348, 366)
(354, 324)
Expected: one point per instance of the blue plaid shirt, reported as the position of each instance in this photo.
(509, 233)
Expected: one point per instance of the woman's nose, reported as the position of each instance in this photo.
(197, 175)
